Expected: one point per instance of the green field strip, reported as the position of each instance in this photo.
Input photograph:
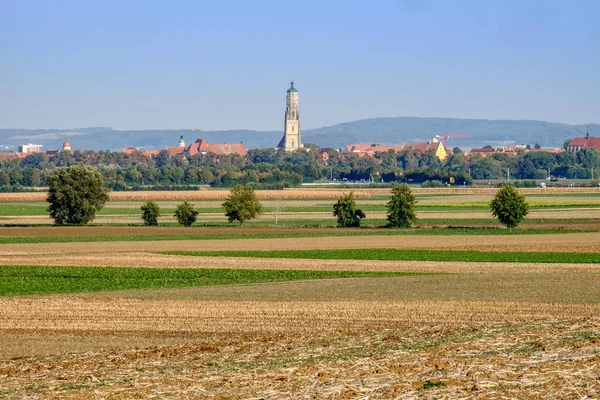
(461, 231)
(406, 255)
(29, 280)
(41, 210)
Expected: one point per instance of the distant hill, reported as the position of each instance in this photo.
(379, 130)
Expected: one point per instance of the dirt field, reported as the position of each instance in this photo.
(297, 350)
(572, 242)
(473, 330)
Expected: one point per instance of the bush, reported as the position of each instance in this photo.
(150, 213)
(185, 214)
(242, 204)
(346, 212)
(75, 194)
(509, 206)
(433, 184)
(401, 208)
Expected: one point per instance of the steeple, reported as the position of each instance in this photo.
(181, 142)
(291, 137)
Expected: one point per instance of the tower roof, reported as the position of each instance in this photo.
(292, 88)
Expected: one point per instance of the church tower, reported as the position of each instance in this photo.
(291, 136)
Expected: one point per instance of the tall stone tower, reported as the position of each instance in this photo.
(291, 137)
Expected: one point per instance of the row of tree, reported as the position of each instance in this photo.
(75, 195)
(271, 168)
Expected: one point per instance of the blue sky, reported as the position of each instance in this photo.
(227, 64)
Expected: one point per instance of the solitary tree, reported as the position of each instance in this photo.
(346, 212)
(185, 214)
(242, 204)
(509, 206)
(150, 213)
(401, 208)
(75, 194)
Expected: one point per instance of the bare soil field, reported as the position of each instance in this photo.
(146, 260)
(298, 350)
(588, 242)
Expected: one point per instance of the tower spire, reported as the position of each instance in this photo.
(291, 137)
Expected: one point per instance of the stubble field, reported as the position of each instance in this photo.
(458, 330)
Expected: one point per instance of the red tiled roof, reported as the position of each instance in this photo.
(175, 150)
(590, 143)
(8, 156)
(199, 146)
(227, 148)
(577, 142)
(366, 149)
(422, 146)
(151, 153)
(131, 150)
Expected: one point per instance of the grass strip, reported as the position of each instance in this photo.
(21, 210)
(406, 255)
(460, 231)
(28, 280)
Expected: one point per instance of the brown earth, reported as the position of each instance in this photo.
(298, 349)
(572, 242)
(145, 260)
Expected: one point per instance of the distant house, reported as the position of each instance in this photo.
(369, 150)
(489, 150)
(9, 155)
(30, 148)
(200, 146)
(131, 150)
(584, 143)
(436, 146)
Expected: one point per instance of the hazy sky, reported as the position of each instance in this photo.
(227, 64)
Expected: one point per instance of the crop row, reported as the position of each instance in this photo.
(25, 280)
(478, 231)
(407, 255)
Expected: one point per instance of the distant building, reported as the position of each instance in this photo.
(291, 140)
(66, 146)
(30, 148)
(131, 150)
(584, 143)
(435, 145)
(200, 146)
(369, 150)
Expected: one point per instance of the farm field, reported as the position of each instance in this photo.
(301, 311)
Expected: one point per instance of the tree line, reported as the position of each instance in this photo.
(273, 168)
(76, 193)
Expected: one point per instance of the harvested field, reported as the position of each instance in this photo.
(572, 242)
(293, 193)
(298, 193)
(115, 314)
(146, 260)
(486, 330)
(545, 360)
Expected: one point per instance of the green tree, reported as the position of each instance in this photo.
(150, 213)
(185, 214)
(242, 204)
(509, 206)
(346, 212)
(401, 208)
(75, 194)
